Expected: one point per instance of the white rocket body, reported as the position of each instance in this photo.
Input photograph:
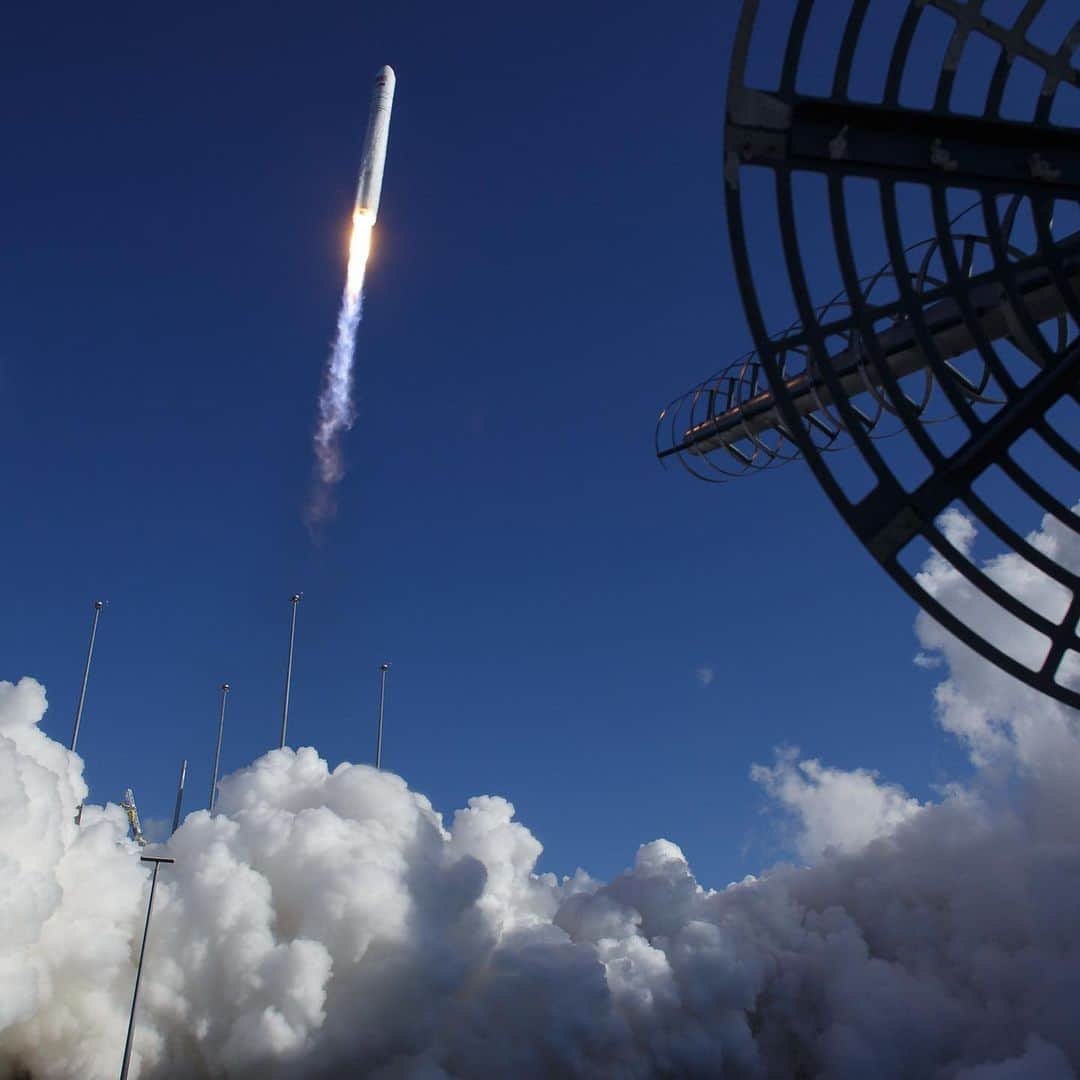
(369, 186)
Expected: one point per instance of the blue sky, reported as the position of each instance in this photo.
(549, 269)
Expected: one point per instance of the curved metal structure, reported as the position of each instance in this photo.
(964, 345)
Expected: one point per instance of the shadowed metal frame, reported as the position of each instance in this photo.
(985, 158)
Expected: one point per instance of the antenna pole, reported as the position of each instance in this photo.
(98, 605)
(383, 668)
(179, 796)
(217, 752)
(294, 600)
(157, 861)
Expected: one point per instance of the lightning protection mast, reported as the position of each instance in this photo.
(384, 668)
(156, 861)
(98, 605)
(295, 601)
(179, 796)
(217, 752)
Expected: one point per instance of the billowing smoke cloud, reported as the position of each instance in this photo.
(330, 923)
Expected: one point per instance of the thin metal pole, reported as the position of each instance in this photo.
(383, 668)
(217, 752)
(294, 600)
(157, 861)
(98, 605)
(179, 796)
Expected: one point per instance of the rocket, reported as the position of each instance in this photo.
(335, 407)
(369, 186)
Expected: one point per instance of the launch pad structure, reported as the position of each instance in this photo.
(951, 373)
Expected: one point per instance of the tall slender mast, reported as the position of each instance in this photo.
(98, 605)
(294, 600)
(383, 668)
(179, 796)
(157, 860)
(217, 752)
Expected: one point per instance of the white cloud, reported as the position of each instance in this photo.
(705, 674)
(998, 718)
(835, 810)
(328, 922)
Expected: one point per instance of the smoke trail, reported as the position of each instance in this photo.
(336, 412)
(328, 923)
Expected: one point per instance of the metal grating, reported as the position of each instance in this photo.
(963, 342)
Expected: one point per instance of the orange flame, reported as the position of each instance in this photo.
(359, 249)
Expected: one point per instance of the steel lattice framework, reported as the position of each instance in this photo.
(980, 318)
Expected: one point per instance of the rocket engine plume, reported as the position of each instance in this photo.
(335, 402)
(336, 413)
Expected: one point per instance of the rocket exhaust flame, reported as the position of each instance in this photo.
(336, 413)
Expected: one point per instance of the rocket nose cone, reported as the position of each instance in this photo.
(386, 75)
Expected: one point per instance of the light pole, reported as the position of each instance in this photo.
(217, 752)
(98, 605)
(383, 668)
(179, 796)
(157, 860)
(294, 600)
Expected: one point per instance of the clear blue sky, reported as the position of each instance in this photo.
(550, 268)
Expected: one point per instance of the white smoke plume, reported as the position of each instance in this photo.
(327, 922)
(336, 411)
